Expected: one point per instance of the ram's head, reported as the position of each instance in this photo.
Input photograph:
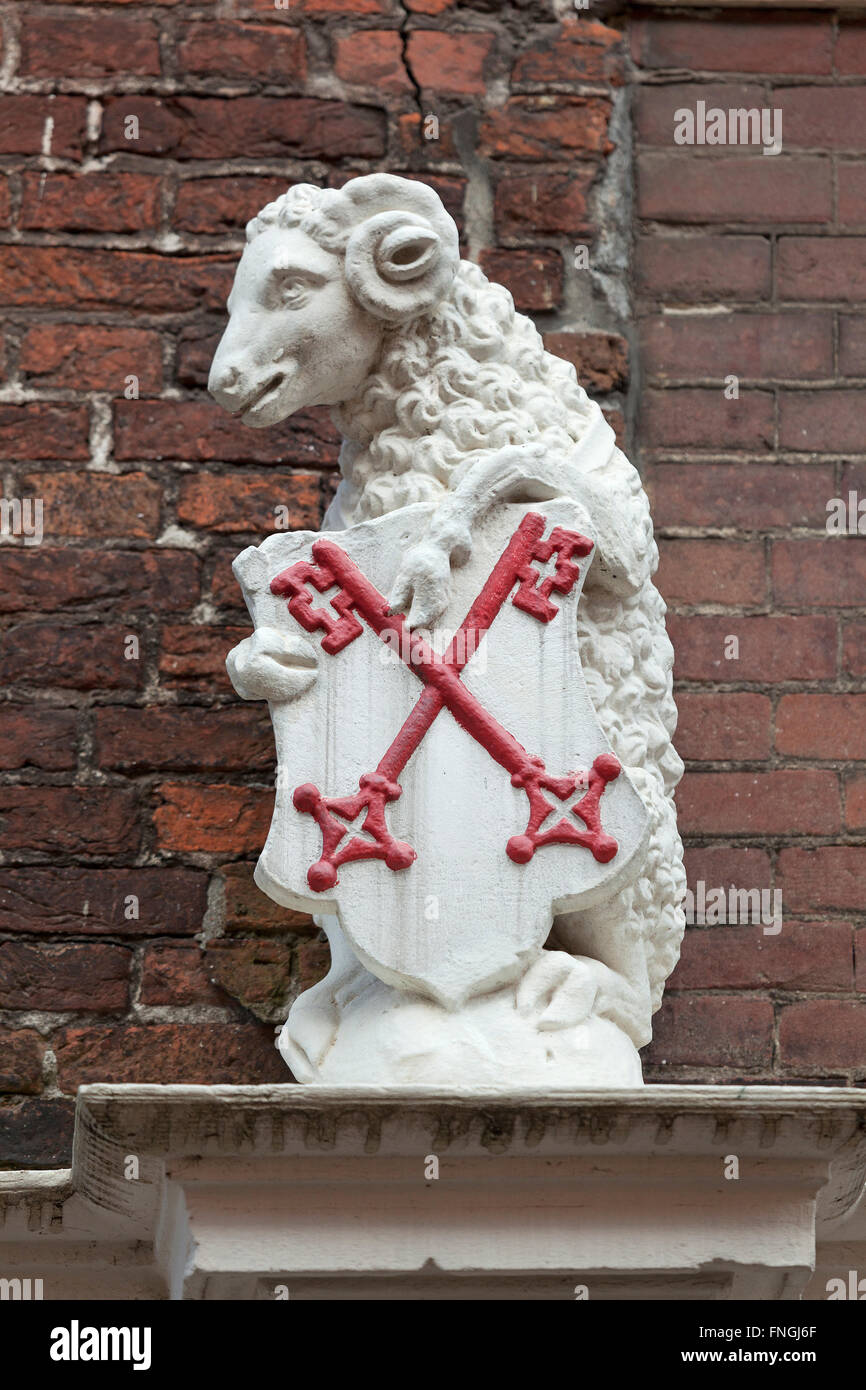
(325, 274)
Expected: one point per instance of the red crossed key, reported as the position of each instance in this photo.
(443, 688)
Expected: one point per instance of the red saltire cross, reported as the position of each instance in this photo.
(443, 687)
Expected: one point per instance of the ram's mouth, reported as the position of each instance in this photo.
(258, 398)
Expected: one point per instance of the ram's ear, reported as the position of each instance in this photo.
(398, 266)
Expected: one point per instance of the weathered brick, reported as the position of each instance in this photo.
(706, 419)
(727, 867)
(827, 573)
(108, 201)
(712, 1031)
(581, 50)
(91, 357)
(821, 421)
(200, 430)
(449, 62)
(83, 658)
(821, 726)
(855, 802)
(852, 345)
(726, 43)
(711, 571)
(851, 193)
(246, 127)
(44, 430)
(314, 961)
(534, 278)
(372, 58)
(755, 346)
(825, 118)
(772, 648)
(21, 1053)
(37, 1133)
(129, 580)
(531, 205)
(69, 820)
(68, 278)
(204, 1054)
(97, 504)
(823, 1035)
(30, 124)
(685, 187)
(88, 46)
(183, 738)
(250, 52)
(600, 359)
(251, 502)
(546, 127)
(70, 976)
(257, 973)
(720, 727)
(215, 206)
(212, 819)
(703, 267)
(195, 657)
(811, 267)
(249, 910)
(103, 902)
(752, 498)
(854, 648)
(176, 972)
(656, 106)
(850, 54)
(804, 956)
(38, 738)
(785, 802)
(827, 879)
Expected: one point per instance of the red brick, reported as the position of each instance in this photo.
(200, 430)
(314, 960)
(37, 1133)
(850, 53)
(183, 739)
(534, 278)
(822, 268)
(212, 819)
(786, 802)
(372, 58)
(656, 107)
(248, 909)
(251, 127)
(854, 649)
(600, 359)
(41, 738)
(250, 52)
(686, 187)
(851, 185)
(91, 977)
(823, 1035)
(69, 820)
(91, 357)
(811, 573)
(98, 902)
(772, 648)
(83, 658)
(710, 571)
(21, 1053)
(44, 430)
(804, 956)
(727, 867)
(176, 972)
(831, 878)
(582, 50)
(751, 498)
(205, 1054)
(63, 277)
(248, 502)
(130, 580)
(532, 205)
(752, 346)
(726, 43)
(257, 973)
(321, 7)
(703, 267)
(855, 803)
(449, 62)
(195, 657)
(5, 204)
(706, 419)
(822, 726)
(852, 345)
(719, 727)
(825, 421)
(860, 957)
(105, 202)
(419, 140)
(825, 118)
(215, 206)
(546, 127)
(85, 46)
(224, 588)
(715, 1031)
(97, 504)
(23, 127)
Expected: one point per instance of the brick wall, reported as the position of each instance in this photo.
(137, 788)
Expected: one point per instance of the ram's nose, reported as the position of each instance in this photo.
(225, 384)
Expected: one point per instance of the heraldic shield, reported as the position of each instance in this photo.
(445, 793)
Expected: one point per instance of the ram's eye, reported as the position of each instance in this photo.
(292, 291)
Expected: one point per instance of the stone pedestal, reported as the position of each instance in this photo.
(262, 1192)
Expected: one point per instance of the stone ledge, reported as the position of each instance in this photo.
(323, 1190)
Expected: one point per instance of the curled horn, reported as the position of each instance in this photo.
(401, 260)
